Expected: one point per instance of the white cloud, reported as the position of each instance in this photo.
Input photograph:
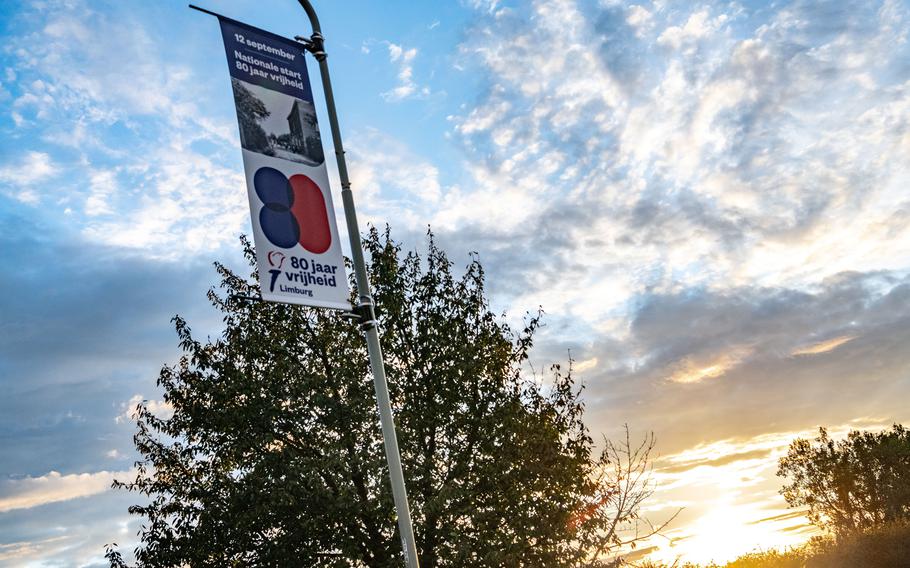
(727, 169)
(186, 205)
(128, 410)
(640, 18)
(692, 370)
(699, 25)
(163, 197)
(485, 5)
(24, 549)
(746, 178)
(586, 365)
(392, 182)
(53, 487)
(823, 346)
(32, 168)
(22, 178)
(403, 58)
(102, 185)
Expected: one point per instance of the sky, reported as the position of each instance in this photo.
(708, 199)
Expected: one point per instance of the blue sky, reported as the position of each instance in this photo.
(708, 199)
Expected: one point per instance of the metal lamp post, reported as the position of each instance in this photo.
(368, 323)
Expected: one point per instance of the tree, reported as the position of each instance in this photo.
(250, 110)
(855, 484)
(273, 454)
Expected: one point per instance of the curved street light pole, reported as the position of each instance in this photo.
(314, 44)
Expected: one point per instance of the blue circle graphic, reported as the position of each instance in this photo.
(277, 222)
(273, 188)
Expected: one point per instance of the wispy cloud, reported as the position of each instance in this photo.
(690, 370)
(53, 487)
(403, 59)
(692, 212)
(86, 86)
(21, 177)
(823, 346)
(394, 182)
(19, 550)
(715, 170)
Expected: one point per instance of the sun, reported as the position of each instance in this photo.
(724, 533)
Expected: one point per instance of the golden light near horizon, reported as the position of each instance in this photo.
(729, 494)
(729, 530)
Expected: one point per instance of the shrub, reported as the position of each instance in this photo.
(887, 546)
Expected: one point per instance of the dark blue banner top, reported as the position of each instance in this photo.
(265, 59)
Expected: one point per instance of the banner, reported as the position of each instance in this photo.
(297, 245)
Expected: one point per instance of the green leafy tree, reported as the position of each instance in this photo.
(250, 110)
(273, 455)
(855, 484)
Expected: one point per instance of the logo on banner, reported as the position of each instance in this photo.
(293, 211)
(276, 259)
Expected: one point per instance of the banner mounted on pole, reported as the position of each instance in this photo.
(297, 245)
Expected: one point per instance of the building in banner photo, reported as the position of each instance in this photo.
(276, 125)
(304, 130)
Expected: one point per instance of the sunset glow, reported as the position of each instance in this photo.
(728, 493)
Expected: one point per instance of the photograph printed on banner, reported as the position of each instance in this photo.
(277, 125)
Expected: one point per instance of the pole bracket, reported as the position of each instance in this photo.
(315, 44)
(363, 315)
(367, 317)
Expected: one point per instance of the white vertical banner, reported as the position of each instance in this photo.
(297, 247)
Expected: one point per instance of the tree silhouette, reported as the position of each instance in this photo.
(273, 455)
(851, 485)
